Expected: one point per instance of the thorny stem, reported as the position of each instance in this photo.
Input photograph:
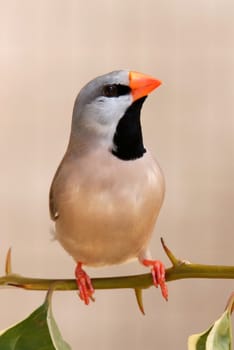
(137, 281)
(179, 270)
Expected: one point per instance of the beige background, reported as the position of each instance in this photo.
(48, 50)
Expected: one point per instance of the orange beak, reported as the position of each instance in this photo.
(141, 84)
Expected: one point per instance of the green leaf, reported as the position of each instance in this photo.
(217, 337)
(39, 331)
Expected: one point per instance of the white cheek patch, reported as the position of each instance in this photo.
(104, 113)
(113, 108)
(99, 118)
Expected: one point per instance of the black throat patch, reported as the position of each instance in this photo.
(128, 138)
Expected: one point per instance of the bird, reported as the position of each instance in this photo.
(107, 192)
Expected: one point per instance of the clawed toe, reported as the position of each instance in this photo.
(84, 284)
(158, 275)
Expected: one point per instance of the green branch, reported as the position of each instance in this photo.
(178, 270)
(142, 281)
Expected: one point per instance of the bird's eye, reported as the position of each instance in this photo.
(110, 90)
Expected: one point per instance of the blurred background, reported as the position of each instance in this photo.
(48, 51)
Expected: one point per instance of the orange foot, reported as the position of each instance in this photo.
(158, 274)
(84, 284)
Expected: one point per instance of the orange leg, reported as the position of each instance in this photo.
(158, 274)
(84, 284)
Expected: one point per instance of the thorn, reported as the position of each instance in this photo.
(8, 265)
(138, 294)
(170, 255)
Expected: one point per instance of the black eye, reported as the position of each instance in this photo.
(116, 90)
(110, 90)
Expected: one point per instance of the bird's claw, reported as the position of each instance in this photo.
(158, 275)
(84, 284)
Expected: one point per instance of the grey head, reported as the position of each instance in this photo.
(107, 114)
(100, 105)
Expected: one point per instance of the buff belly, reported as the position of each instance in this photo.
(111, 222)
(99, 238)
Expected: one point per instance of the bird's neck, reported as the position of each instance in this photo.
(128, 139)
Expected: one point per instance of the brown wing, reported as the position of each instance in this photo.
(52, 203)
(53, 212)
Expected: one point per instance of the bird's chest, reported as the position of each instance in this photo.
(109, 210)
